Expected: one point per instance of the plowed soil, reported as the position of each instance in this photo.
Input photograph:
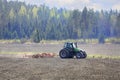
(19, 68)
(59, 69)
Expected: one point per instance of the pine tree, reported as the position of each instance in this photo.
(36, 36)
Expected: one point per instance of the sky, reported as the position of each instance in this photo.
(77, 4)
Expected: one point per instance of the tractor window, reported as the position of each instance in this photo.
(65, 45)
(68, 45)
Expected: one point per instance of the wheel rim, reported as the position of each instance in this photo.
(78, 55)
(63, 54)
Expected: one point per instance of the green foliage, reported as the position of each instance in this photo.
(35, 12)
(36, 36)
(117, 29)
(11, 14)
(66, 14)
(52, 13)
(19, 21)
(22, 10)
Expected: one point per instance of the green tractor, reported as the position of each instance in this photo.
(70, 50)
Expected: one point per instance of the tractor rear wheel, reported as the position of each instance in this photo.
(64, 53)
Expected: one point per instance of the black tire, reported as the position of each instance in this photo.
(79, 55)
(84, 54)
(71, 55)
(64, 53)
(70, 52)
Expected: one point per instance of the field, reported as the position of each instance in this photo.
(93, 50)
(103, 63)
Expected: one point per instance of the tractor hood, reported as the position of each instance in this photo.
(76, 49)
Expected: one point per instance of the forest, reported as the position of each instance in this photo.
(19, 20)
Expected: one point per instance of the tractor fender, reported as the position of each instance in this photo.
(84, 55)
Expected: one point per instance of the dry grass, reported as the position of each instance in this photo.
(92, 41)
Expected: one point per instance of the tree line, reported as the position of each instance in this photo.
(19, 20)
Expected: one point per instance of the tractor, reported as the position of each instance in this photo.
(70, 50)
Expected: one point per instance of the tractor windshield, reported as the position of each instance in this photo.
(70, 45)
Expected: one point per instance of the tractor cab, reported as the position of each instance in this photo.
(70, 45)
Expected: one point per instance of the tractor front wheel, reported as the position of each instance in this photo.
(78, 55)
(84, 54)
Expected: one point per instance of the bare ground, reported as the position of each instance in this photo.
(59, 69)
(105, 49)
(18, 68)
